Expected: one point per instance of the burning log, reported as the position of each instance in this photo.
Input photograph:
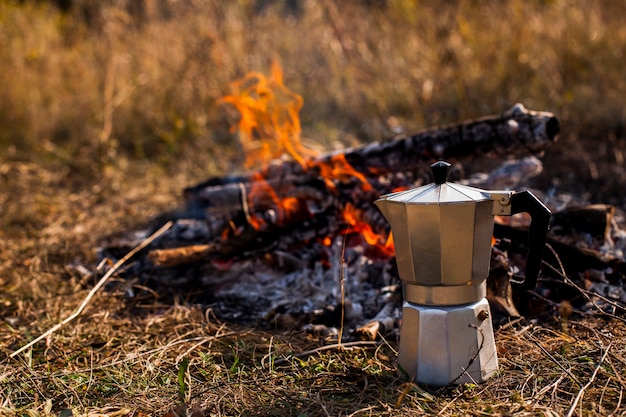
(320, 197)
(518, 131)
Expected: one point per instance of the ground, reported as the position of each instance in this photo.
(124, 356)
(91, 149)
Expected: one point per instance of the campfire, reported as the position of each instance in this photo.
(296, 242)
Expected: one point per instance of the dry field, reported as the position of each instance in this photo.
(108, 110)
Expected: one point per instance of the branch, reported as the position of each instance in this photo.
(95, 289)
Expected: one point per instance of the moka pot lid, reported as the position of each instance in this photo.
(439, 192)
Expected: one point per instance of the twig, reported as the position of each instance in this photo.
(342, 282)
(558, 259)
(319, 400)
(200, 343)
(619, 402)
(553, 386)
(584, 387)
(585, 293)
(95, 289)
(440, 413)
(326, 347)
(510, 324)
(362, 410)
(473, 358)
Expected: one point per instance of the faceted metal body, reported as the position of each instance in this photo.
(442, 244)
(442, 237)
(444, 345)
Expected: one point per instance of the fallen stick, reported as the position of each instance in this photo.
(168, 258)
(95, 289)
(338, 346)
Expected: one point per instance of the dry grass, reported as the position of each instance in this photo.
(101, 126)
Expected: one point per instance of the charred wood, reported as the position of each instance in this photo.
(244, 214)
(583, 237)
(516, 132)
(301, 210)
(584, 263)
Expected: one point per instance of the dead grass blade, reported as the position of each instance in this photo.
(588, 384)
(339, 346)
(95, 289)
(553, 359)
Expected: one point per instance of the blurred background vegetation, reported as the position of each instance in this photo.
(94, 84)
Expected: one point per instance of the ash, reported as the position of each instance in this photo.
(290, 291)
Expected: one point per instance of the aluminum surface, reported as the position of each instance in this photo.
(444, 345)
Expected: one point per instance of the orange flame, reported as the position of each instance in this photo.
(263, 195)
(338, 168)
(269, 122)
(352, 217)
(269, 127)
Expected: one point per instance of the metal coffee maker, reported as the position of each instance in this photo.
(442, 236)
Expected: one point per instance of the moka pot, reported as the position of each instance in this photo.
(442, 236)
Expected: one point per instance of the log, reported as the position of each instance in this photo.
(518, 131)
(243, 214)
(584, 255)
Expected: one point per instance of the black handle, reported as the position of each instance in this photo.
(526, 202)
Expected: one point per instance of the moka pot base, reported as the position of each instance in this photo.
(442, 345)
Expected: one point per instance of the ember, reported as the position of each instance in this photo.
(384, 243)
(263, 195)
